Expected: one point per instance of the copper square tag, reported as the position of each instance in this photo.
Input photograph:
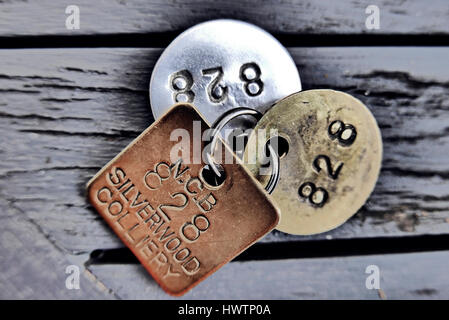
(180, 228)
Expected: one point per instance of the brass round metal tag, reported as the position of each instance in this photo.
(331, 152)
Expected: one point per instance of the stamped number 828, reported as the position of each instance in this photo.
(181, 82)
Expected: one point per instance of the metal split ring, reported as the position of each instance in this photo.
(219, 125)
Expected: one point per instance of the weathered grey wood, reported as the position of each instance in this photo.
(65, 113)
(402, 276)
(138, 16)
(34, 267)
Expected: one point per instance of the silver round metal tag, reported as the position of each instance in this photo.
(221, 65)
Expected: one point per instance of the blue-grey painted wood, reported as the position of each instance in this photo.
(47, 17)
(34, 267)
(402, 276)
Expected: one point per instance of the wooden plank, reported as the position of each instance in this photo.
(65, 113)
(402, 276)
(48, 17)
(33, 267)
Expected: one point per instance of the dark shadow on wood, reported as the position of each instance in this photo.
(162, 39)
(309, 249)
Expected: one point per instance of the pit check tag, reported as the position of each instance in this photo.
(179, 227)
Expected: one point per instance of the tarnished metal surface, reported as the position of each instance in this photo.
(180, 228)
(333, 159)
(220, 65)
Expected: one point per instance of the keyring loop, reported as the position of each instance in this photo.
(220, 123)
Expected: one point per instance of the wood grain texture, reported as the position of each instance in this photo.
(48, 17)
(34, 268)
(402, 276)
(65, 113)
